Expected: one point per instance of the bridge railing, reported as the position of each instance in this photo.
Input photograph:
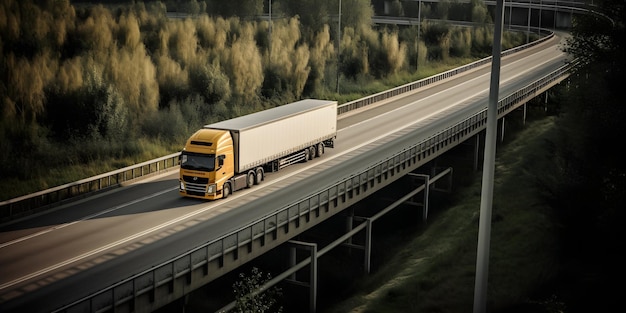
(43, 200)
(413, 86)
(182, 268)
(40, 201)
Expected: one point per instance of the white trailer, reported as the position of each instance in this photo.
(267, 136)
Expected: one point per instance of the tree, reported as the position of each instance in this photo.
(250, 297)
(600, 38)
(356, 13)
(589, 188)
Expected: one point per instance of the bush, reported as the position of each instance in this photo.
(250, 297)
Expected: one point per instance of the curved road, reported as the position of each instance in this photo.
(55, 258)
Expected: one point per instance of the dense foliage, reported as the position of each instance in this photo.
(590, 189)
(92, 82)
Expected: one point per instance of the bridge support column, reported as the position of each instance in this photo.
(349, 223)
(426, 194)
(368, 247)
(448, 187)
(502, 131)
(524, 116)
(312, 283)
(476, 151)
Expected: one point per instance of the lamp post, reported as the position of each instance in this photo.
(486, 199)
(419, 24)
(338, 44)
(528, 27)
(510, 13)
(540, 7)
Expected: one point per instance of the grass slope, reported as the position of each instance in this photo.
(435, 271)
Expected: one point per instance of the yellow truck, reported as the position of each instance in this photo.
(234, 154)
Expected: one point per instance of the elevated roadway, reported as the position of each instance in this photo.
(78, 250)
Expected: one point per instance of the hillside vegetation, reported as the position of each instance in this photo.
(89, 88)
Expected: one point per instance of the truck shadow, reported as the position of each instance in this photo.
(137, 198)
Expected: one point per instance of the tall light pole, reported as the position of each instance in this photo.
(528, 27)
(486, 199)
(419, 24)
(338, 44)
(556, 8)
(510, 13)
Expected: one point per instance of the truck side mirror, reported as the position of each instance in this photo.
(220, 160)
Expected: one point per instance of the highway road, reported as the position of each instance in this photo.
(55, 258)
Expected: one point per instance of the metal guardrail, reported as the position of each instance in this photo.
(40, 201)
(43, 200)
(410, 87)
(256, 234)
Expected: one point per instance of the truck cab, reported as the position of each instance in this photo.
(206, 164)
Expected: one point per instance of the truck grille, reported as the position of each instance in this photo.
(196, 185)
(196, 188)
(195, 180)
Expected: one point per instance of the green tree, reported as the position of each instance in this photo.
(599, 43)
(356, 13)
(479, 12)
(322, 51)
(600, 38)
(313, 14)
(244, 64)
(210, 81)
(589, 187)
(394, 51)
(250, 297)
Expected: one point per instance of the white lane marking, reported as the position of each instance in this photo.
(101, 249)
(192, 214)
(85, 218)
(461, 84)
(502, 83)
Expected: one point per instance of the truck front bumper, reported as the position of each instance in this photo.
(198, 190)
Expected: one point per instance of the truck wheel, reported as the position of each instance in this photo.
(250, 180)
(320, 150)
(307, 152)
(226, 191)
(259, 176)
(311, 152)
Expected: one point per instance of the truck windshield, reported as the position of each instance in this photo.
(201, 162)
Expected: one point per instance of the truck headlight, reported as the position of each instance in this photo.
(182, 186)
(211, 188)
